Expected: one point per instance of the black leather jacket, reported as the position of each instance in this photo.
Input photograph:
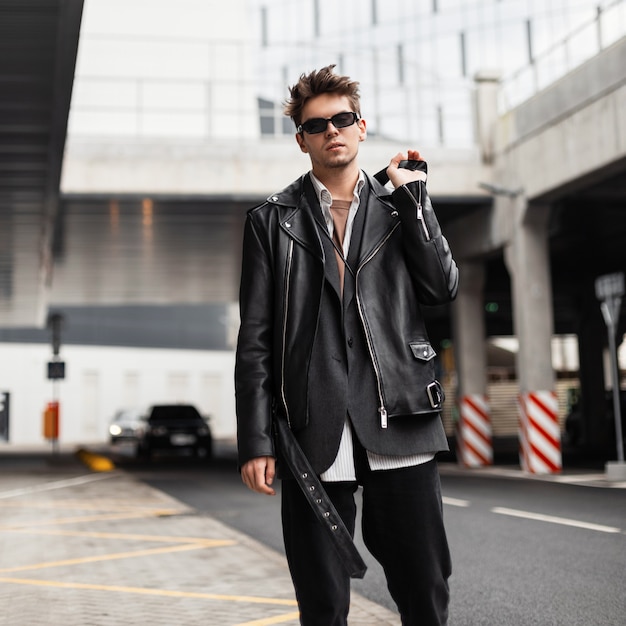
(404, 262)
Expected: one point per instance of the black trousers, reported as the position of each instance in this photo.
(402, 524)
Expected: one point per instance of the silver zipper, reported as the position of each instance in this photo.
(419, 210)
(383, 417)
(381, 409)
(285, 312)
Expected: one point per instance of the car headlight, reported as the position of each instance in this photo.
(202, 431)
(159, 431)
(115, 430)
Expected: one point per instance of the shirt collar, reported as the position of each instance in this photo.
(324, 196)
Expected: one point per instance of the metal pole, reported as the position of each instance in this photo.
(617, 410)
(609, 290)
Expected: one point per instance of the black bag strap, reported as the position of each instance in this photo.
(318, 499)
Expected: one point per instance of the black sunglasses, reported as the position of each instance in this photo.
(319, 124)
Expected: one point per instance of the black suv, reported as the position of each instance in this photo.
(175, 427)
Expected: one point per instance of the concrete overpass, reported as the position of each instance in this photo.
(38, 45)
(534, 215)
(145, 223)
(556, 223)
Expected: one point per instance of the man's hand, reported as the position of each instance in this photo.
(259, 473)
(401, 176)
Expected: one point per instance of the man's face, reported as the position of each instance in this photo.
(334, 147)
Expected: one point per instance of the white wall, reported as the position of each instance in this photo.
(101, 380)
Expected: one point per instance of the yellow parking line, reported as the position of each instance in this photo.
(121, 555)
(151, 592)
(94, 506)
(103, 535)
(83, 518)
(278, 619)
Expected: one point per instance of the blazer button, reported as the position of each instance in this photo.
(350, 341)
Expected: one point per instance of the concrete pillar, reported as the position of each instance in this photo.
(528, 262)
(486, 111)
(474, 441)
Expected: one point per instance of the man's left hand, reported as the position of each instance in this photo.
(401, 176)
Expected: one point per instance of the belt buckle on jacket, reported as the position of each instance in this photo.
(435, 394)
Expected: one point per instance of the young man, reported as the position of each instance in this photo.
(333, 342)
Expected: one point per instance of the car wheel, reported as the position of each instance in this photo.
(144, 452)
(205, 453)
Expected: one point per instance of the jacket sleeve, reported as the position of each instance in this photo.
(254, 362)
(427, 252)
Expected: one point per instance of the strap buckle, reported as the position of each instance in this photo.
(435, 394)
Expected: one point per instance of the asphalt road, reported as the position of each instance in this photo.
(525, 552)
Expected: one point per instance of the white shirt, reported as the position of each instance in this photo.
(343, 468)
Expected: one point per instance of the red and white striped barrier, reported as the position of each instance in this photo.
(474, 444)
(539, 432)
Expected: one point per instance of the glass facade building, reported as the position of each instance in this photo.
(209, 70)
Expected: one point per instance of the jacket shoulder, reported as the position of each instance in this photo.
(288, 198)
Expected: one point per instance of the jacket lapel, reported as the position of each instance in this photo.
(381, 218)
(330, 261)
(300, 223)
(306, 225)
(330, 266)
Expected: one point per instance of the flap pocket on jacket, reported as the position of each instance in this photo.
(422, 350)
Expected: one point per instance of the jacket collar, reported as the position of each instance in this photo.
(300, 217)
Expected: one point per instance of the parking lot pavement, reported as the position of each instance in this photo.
(82, 547)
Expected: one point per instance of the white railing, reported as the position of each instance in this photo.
(208, 90)
(204, 90)
(607, 27)
(211, 109)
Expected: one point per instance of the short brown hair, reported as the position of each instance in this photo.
(318, 82)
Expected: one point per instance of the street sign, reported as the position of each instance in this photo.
(56, 370)
(609, 290)
(610, 286)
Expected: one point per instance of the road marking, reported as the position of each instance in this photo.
(55, 484)
(121, 555)
(78, 519)
(109, 535)
(279, 619)
(101, 505)
(150, 592)
(455, 501)
(563, 521)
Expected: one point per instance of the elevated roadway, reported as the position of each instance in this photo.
(534, 213)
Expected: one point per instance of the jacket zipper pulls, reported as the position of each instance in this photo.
(420, 216)
(382, 410)
(383, 417)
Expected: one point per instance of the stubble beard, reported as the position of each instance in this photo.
(339, 161)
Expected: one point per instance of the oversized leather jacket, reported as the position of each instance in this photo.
(404, 262)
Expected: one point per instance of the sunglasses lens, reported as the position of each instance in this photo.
(315, 125)
(341, 120)
(319, 124)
